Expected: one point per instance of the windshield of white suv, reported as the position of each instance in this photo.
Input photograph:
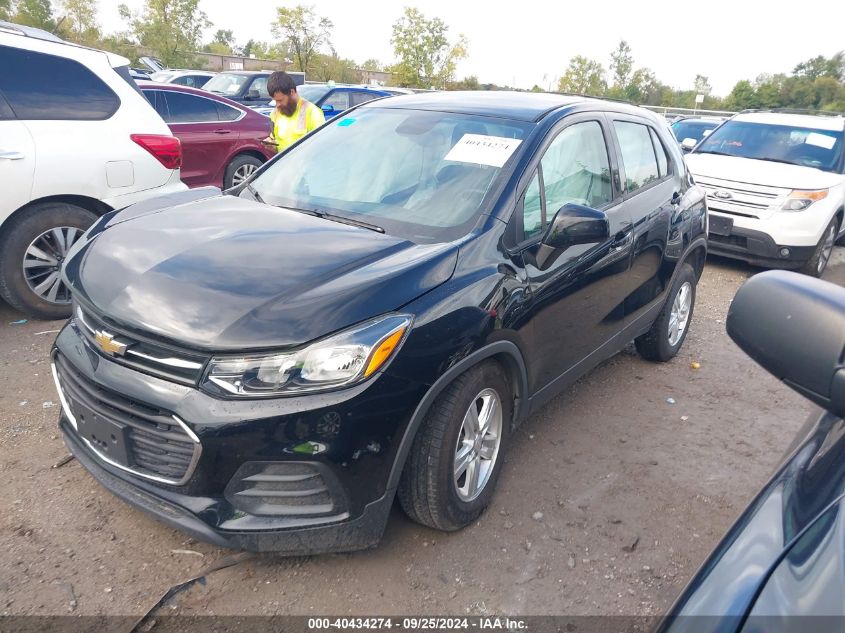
(421, 175)
(226, 84)
(802, 146)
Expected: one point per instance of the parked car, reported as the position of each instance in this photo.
(690, 130)
(246, 87)
(221, 139)
(190, 78)
(332, 98)
(77, 140)
(779, 568)
(775, 187)
(373, 313)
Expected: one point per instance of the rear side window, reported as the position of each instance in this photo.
(227, 113)
(185, 108)
(260, 84)
(157, 101)
(357, 98)
(339, 100)
(660, 151)
(638, 157)
(45, 87)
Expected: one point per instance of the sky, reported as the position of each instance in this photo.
(529, 42)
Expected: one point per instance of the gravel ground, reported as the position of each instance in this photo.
(610, 499)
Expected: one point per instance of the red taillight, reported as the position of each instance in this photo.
(166, 149)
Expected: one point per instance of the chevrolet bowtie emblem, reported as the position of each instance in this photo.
(108, 345)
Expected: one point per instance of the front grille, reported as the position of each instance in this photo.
(283, 489)
(740, 199)
(154, 444)
(150, 357)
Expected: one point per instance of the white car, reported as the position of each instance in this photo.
(190, 78)
(775, 186)
(77, 139)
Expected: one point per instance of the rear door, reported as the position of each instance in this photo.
(652, 188)
(17, 162)
(207, 142)
(579, 292)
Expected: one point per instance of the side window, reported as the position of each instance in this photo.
(45, 87)
(155, 98)
(533, 218)
(660, 151)
(339, 99)
(359, 97)
(638, 156)
(575, 168)
(260, 84)
(185, 108)
(227, 113)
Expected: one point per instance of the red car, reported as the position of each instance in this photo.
(221, 139)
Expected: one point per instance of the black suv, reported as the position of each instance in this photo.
(373, 313)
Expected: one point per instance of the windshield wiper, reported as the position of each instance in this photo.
(340, 219)
(780, 160)
(703, 151)
(254, 193)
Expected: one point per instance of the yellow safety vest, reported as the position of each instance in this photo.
(289, 129)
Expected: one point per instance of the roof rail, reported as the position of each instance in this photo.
(578, 94)
(29, 31)
(809, 111)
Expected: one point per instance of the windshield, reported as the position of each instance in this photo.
(802, 146)
(312, 92)
(226, 84)
(161, 76)
(692, 129)
(420, 175)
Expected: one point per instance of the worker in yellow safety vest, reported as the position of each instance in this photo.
(293, 117)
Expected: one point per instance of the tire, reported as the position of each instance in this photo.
(658, 344)
(34, 228)
(817, 264)
(428, 490)
(241, 167)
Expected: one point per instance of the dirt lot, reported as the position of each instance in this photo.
(634, 492)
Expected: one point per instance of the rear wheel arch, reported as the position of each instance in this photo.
(507, 354)
(97, 207)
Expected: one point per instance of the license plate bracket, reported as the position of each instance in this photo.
(109, 438)
(721, 226)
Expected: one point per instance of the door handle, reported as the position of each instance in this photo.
(11, 155)
(222, 131)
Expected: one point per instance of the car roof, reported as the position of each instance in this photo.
(29, 31)
(700, 119)
(521, 106)
(820, 122)
(155, 85)
(246, 72)
(186, 71)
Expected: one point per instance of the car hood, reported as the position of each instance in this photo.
(223, 273)
(759, 172)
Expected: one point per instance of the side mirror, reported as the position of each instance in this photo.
(688, 143)
(576, 224)
(328, 110)
(794, 327)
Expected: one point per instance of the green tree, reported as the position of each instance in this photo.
(643, 87)
(5, 9)
(426, 57)
(742, 96)
(171, 28)
(80, 21)
(332, 68)
(303, 31)
(260, 50)
(701, 85)
(222, 43)
(621, 65)
(37, 13)
(372, 65)
(583, 76)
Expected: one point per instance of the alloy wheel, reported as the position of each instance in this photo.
(679, 317)
(242, 173)
(478, 445)
(827, 249)
(42, 263)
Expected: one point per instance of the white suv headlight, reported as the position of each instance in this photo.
(337, 361)
(800, 199)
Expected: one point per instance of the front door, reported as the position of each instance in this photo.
(579, 292)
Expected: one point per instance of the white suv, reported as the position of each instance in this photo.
(77, 139)
(775, 188)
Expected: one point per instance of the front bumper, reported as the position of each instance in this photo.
(351, 437)
(756, 247)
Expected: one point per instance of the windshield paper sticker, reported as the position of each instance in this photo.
(820, 140)
(345, 122)
(483, 150)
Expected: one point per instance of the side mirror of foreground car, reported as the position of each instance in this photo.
(794, 326)
(576, 224)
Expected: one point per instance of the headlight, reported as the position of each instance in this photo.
(800, 199)
(338, 361)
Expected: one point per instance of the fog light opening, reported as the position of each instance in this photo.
(784, 252)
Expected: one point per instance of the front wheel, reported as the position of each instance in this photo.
(668, 332)
(240, 169)
(456, 457)
(817, 264)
